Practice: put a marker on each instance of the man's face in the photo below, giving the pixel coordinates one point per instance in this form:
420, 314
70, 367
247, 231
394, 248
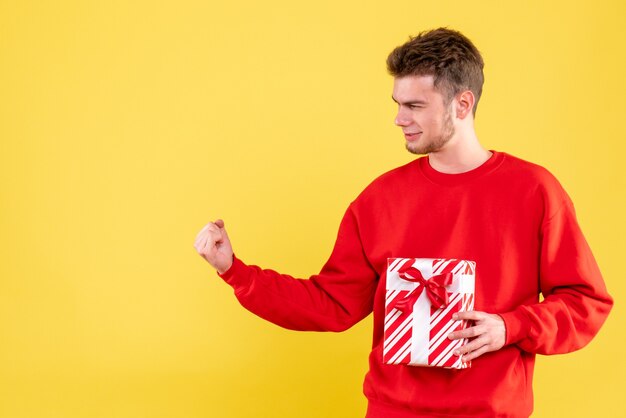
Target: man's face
422, 114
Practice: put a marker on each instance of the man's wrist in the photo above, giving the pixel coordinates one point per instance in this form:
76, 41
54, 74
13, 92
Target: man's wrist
225, 272
516, 326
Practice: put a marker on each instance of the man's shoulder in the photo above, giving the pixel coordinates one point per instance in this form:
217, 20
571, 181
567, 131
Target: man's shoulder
522, 174
395, 177
392, 181
400, 173
526, 170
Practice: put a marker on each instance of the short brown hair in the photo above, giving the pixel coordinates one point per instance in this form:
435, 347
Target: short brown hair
450, 57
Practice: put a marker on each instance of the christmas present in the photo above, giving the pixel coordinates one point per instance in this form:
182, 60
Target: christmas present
421, 296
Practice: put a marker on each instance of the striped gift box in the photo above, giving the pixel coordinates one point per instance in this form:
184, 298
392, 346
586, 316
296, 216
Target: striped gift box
421, 296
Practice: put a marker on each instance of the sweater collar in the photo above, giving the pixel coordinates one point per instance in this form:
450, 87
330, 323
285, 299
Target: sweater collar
447, 179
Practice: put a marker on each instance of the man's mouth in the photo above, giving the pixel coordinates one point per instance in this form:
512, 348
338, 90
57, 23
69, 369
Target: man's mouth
412, 135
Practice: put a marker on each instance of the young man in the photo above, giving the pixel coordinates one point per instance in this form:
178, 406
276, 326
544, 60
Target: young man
460, 201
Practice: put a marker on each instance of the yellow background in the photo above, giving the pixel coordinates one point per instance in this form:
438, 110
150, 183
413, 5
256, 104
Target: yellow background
126, 126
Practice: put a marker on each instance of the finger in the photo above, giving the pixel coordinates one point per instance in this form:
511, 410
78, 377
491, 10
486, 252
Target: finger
471, 346
469, 315
467, 332
208, 227
214, 228
208, 244
201, 244
211, 228
219, 223
475, 354
215, 237
201, 240
204, 235
202, 231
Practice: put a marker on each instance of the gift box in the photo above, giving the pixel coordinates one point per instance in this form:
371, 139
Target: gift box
421, 296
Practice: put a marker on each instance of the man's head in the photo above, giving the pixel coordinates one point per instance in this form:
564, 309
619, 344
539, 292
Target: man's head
438, 80
447, 55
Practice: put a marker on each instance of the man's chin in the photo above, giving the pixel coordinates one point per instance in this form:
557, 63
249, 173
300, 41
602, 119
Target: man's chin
416, 150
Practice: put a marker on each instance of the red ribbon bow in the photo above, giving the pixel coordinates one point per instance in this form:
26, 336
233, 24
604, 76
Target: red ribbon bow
435, 288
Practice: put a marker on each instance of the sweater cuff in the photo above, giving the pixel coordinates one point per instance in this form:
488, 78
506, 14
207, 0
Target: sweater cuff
237, 275
517, 325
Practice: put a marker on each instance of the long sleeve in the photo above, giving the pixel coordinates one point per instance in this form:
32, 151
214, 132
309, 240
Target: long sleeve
512, 218
576, 302
335, 299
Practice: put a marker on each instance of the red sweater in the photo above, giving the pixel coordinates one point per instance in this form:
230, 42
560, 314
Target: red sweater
513, 219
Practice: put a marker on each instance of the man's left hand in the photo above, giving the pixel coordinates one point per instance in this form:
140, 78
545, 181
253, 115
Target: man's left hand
487, 334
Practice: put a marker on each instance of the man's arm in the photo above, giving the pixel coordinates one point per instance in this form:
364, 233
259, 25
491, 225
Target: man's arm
576, 302
335, 299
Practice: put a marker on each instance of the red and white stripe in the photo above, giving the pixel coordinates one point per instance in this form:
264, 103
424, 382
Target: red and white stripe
401, 343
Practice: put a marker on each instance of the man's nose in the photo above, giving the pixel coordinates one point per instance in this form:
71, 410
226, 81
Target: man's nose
402, 119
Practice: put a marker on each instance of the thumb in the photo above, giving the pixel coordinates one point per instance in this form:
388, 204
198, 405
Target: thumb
220, 224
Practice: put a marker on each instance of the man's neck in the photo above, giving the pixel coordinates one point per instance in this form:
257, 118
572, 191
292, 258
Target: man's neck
459, 156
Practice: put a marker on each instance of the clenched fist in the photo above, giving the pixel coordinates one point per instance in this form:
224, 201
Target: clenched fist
213, 245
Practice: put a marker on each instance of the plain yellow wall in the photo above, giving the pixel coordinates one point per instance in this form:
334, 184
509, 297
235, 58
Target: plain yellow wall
126, 126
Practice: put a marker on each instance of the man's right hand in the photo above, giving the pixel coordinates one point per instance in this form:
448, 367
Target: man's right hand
213, 245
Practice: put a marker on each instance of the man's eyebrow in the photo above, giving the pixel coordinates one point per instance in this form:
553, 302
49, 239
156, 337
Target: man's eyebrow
410, 102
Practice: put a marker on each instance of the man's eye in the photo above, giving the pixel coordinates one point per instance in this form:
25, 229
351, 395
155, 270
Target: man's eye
415, 106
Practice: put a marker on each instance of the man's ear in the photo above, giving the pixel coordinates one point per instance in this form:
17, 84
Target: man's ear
464, 102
